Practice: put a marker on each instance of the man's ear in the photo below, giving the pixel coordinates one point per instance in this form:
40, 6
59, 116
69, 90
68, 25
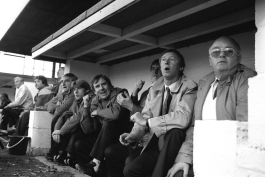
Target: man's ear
239, 58
181, 69
210, 61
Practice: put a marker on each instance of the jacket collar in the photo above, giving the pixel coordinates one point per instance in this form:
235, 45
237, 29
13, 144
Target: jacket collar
159, 84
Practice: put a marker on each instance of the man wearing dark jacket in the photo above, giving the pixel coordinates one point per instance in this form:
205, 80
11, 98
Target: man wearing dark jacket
114, 118
76, 124
4, 100
61, 106
43, 96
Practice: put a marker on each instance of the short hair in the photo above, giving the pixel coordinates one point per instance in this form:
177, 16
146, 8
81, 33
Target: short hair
5, 96
20, 78
155, 62
96, 78
43, 79
179, 55
230, 39
72, 76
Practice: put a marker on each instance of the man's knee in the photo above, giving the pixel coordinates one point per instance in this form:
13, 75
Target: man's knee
176, 132
128, 170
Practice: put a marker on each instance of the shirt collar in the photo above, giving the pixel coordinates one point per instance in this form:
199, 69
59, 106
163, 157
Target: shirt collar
174, 86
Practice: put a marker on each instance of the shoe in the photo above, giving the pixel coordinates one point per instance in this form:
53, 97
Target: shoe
86, 169
59, 159
50, 156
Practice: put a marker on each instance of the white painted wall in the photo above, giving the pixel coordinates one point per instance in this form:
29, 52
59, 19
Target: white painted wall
85, 70
126, 74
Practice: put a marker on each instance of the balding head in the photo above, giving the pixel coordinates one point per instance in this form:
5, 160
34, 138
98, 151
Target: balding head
228, 41
224, 55
18, 81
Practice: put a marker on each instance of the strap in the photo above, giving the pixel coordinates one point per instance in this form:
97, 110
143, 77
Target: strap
7, 146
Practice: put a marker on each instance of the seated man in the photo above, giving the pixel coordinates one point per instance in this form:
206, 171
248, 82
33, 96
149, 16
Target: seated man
23, 101
57, 87
61, 106
114, 118
76, 124
226, 88
116, 154
132, 103
4, 100
162, 123
43, 96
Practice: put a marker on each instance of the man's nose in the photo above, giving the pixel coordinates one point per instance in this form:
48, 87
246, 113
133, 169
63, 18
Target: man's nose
222, 54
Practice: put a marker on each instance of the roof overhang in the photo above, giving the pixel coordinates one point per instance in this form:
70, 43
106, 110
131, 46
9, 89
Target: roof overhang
120, 30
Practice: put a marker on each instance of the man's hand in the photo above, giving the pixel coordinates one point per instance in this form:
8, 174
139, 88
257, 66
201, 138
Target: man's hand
86, 101
23, 112
127, 138
138, 118
177, 167
125, 102
94, 113
138, 87
56, 136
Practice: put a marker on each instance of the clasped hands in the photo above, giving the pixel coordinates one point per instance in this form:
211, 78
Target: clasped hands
56, 136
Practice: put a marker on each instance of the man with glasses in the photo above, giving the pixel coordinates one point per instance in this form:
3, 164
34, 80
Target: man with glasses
225, 88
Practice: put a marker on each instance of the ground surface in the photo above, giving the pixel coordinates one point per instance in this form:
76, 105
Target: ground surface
27, 166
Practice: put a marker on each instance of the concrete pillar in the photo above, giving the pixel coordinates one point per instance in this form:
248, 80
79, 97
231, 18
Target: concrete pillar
256, 94
40, 132
215, 145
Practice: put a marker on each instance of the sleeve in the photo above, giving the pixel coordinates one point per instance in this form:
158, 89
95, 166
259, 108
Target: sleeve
179, 118
139, 105
242, 99
186, 151
66, 104
41, 100
113, 110
137, 130
22, 97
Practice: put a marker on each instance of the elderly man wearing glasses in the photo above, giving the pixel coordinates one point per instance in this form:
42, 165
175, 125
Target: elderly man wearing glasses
222, 95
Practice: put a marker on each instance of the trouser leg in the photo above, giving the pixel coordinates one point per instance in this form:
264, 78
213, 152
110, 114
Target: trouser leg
22, 124
54, 120
10, 116
141, 165
190, 173
83, 148
172, 143
115, 156
108, 135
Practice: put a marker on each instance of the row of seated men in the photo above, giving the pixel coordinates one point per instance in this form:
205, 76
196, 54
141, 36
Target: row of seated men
108, 130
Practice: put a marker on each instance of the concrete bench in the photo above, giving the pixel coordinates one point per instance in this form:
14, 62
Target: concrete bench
40, 132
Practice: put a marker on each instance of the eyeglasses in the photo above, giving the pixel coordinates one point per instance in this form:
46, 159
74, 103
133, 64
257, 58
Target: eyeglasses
228, 52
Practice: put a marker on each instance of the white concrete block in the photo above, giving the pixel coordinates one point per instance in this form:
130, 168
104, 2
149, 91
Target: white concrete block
39, 132
259, 50
41, 138
40, 119
215, 148
256, 111
260, 13
252, 159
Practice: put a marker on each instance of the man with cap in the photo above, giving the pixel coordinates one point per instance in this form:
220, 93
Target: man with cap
75, 124
222, 95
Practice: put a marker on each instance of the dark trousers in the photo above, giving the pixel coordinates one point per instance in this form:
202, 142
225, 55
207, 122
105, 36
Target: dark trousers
116, 155
83, 148
22, 125
151, 161
54, 120
10, 116
109, 134
180, 173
